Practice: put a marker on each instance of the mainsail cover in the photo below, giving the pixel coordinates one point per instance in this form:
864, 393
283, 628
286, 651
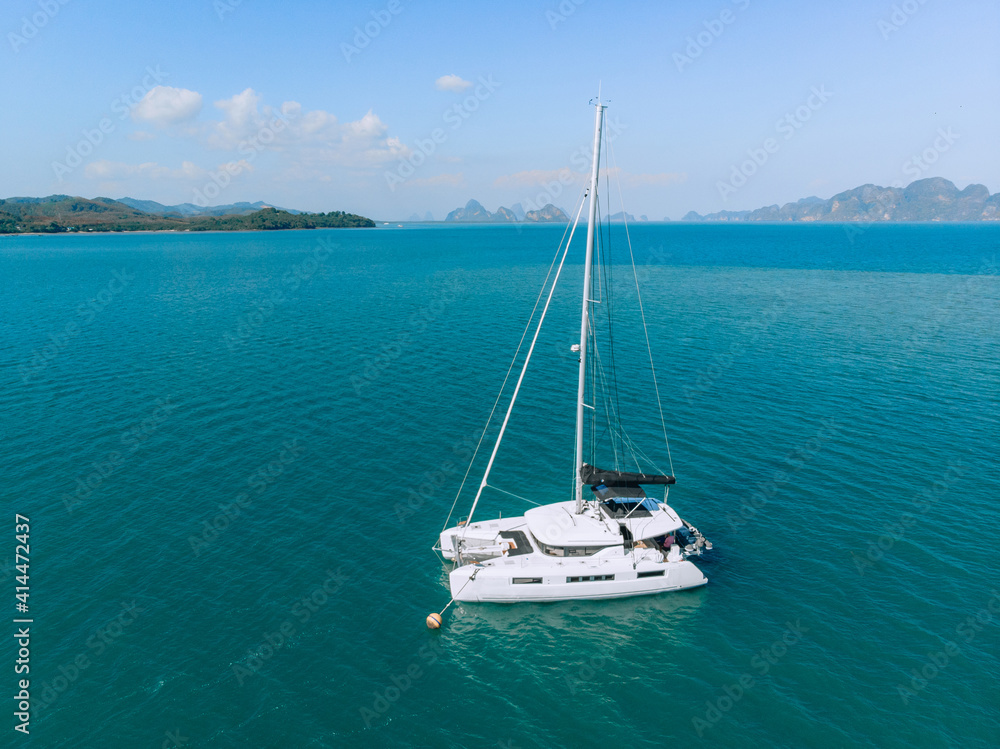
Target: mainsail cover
593, 476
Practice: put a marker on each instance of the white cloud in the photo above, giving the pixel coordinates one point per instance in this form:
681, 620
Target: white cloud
535, 177
659, 179
313, 137
452, 83
118, 170
272, 142
166, 105
104, 169
310, 141
242, 119
567, 176
366, 143
450, 180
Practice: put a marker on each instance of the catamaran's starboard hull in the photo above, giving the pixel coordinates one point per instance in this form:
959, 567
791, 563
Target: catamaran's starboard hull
572, 582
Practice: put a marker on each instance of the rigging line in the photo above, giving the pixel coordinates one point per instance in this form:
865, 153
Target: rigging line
503, 385
631, 447
639, 458
642, 313
609, 259
590, 415
599, 368
646, 460
598, 389
614, 428
524, 369
513, 361
516, 496
609, 315
606, 313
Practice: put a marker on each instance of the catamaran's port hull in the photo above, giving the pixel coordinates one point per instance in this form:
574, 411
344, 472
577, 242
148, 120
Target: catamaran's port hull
496, 584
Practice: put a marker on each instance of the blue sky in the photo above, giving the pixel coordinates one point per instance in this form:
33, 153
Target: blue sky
398, 107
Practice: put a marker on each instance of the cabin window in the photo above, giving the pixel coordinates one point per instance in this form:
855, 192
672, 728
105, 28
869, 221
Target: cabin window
643, 507
570, 551
589, 578
526, 580
653, 573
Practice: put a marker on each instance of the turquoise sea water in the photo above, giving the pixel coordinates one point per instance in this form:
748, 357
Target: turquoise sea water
236, 451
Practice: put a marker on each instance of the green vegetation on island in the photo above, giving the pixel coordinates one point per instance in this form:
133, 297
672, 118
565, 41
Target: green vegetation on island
62, 213
931, 199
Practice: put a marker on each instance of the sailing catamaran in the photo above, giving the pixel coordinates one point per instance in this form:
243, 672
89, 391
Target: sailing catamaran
610, 540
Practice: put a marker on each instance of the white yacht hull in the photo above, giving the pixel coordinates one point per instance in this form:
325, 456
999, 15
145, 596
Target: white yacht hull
492, 569
494, 581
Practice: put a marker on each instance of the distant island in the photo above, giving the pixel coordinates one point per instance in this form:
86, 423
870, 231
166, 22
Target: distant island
63, 213
932, 199
475, 213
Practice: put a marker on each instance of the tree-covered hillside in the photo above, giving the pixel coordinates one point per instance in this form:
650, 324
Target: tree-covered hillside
63, 213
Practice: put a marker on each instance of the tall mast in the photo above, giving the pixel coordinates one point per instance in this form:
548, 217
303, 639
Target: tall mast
585, 318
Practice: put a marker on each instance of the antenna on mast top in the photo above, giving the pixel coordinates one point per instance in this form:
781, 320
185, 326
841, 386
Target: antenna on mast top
598, 99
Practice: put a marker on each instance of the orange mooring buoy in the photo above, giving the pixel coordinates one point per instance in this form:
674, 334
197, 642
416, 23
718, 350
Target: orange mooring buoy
433, 621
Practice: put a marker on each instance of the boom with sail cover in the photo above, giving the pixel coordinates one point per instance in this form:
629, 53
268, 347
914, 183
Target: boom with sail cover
593, 476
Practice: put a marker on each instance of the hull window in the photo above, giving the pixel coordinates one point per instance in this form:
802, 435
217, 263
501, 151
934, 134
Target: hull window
526, 580
654, 573
589, 578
